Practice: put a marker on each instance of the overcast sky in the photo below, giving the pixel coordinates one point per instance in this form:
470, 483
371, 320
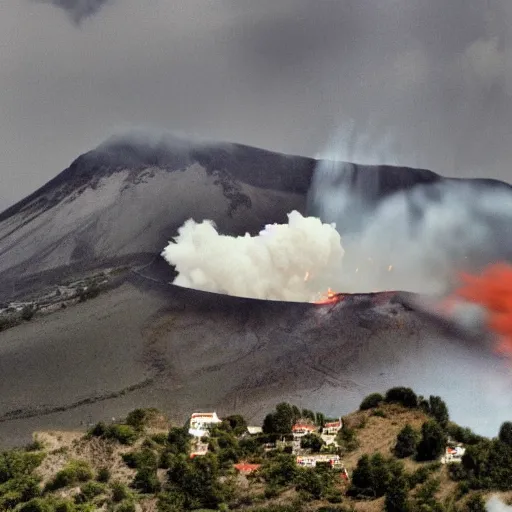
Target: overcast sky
412, 82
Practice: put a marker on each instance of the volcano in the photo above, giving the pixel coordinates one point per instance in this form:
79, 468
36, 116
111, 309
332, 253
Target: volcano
146, 342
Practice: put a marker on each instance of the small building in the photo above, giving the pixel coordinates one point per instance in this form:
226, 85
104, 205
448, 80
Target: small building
332, 428
198, 448
245, 468
202, 422
254, 431
302, 429
453, 454
310, 461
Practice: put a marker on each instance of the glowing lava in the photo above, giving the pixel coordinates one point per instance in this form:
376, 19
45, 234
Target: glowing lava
493, 290
330, 297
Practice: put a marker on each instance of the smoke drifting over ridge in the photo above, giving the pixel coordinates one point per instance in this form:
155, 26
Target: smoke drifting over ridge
291, 262
416, 240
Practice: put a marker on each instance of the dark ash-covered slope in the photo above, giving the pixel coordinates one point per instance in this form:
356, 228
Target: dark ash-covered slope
181, 350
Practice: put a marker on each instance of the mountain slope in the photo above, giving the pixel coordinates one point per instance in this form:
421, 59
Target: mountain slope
127, 198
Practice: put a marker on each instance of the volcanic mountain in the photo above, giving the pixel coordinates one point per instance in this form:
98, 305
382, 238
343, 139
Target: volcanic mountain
145, 342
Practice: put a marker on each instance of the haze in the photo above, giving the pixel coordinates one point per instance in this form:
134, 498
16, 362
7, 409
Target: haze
396, 81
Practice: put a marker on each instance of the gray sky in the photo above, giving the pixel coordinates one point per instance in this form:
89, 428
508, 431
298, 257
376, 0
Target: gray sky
413, 82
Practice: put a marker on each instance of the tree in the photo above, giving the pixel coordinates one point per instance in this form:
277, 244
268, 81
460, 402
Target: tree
311, 482
312, 442
505, 435
308, 414
373, 475
439, 411
406, 442
371, 401
280, 470
282, 420
237, 423
433, 441
397, 495
320, 419
401, 395
179, 440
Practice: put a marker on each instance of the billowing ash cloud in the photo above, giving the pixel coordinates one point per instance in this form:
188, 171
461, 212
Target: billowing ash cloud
417, 240
496, 505
78, 10
292, 262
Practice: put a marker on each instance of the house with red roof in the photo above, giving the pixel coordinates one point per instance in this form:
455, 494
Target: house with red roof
302, 428
332, 428
245, 468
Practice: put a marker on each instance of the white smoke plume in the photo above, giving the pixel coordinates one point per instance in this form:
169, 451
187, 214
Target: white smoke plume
496, 505
293, 262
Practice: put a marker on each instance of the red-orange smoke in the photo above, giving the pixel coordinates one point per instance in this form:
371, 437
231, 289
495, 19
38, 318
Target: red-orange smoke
493, 290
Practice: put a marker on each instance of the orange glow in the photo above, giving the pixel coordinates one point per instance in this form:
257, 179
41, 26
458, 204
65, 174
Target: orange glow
306, 277
493, 290
330, 298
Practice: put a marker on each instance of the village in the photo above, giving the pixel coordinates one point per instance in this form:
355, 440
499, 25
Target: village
200, 425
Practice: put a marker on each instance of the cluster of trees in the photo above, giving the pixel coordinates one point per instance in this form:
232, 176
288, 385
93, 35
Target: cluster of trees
487, 464
286, 415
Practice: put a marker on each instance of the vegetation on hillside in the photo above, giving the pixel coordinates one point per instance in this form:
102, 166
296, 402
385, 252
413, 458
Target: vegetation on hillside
391, 449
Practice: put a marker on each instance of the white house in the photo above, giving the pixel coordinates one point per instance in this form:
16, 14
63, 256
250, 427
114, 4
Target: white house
453, 454
332, 428
254, 430
202, 422
310, 461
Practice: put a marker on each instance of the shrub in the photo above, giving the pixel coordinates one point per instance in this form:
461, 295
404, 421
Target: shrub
120, 492
401, 395
371, 401
99, 430
146, 481
146, 458
36, 505
137, 419
124, 434
126, 506
103, 475
92, 489
64, 506
75, 472
379, 413
347, 438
